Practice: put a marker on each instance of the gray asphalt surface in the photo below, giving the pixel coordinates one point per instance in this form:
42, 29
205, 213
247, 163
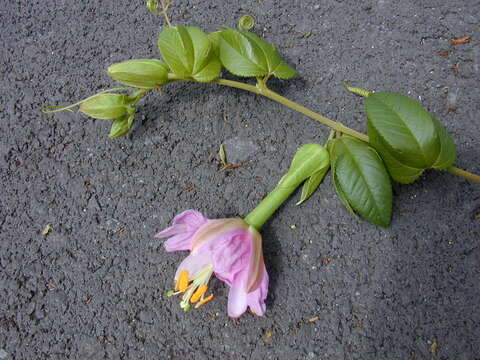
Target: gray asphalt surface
93, 288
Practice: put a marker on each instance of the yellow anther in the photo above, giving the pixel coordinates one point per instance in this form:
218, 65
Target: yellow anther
182, 282
203, 301
198, 293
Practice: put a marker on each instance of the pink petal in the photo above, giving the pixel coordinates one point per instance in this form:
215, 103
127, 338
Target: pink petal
189, 220
237, 297
206, 236
171, 230
184, 226
231, 254
192, 218
256, 298
178, 242
193, 263
257, 264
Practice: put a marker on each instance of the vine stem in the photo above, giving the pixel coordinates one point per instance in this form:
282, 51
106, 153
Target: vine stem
463, 173
263, 90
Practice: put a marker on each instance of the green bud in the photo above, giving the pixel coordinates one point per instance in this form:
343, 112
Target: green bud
170, 293
106, 106
308, 160
121, 127
141, 73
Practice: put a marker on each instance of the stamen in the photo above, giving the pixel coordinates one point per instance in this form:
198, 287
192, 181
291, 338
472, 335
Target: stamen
182, 283
203, 301
199, 293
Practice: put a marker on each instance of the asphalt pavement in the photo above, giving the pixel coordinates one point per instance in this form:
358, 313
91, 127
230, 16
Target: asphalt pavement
93, 285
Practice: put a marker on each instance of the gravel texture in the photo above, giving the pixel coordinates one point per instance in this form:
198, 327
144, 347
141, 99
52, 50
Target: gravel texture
341, 288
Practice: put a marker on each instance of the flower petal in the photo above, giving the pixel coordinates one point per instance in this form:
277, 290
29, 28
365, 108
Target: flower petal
171, 230
206, 237
231, 254
192, 218
178, 242
192, 264
256, 298
237, 297
189, 220
184, 226
257, 264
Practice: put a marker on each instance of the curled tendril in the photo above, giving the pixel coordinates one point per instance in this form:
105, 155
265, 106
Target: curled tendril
153, 6
246, 22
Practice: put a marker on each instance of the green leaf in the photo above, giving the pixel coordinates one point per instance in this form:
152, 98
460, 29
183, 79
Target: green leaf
284, 71
405, 127
214, 38
361, 180
188, 52
245, 54
312, 184
399, 172
408, 137
448, 153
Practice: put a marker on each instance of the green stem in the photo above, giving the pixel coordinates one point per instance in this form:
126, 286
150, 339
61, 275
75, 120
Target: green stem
294, 106
258, 216
287, 185
463, 173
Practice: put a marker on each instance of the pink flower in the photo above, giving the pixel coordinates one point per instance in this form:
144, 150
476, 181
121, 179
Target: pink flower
228, 248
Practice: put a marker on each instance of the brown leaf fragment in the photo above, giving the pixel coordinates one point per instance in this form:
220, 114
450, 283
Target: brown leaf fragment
189, 188
452, 109
443, 54
52, 286
313, 319
461, 40
326, 261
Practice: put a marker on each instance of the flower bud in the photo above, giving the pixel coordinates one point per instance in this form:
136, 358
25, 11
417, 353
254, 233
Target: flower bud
141, 73
121, 127
106, 106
